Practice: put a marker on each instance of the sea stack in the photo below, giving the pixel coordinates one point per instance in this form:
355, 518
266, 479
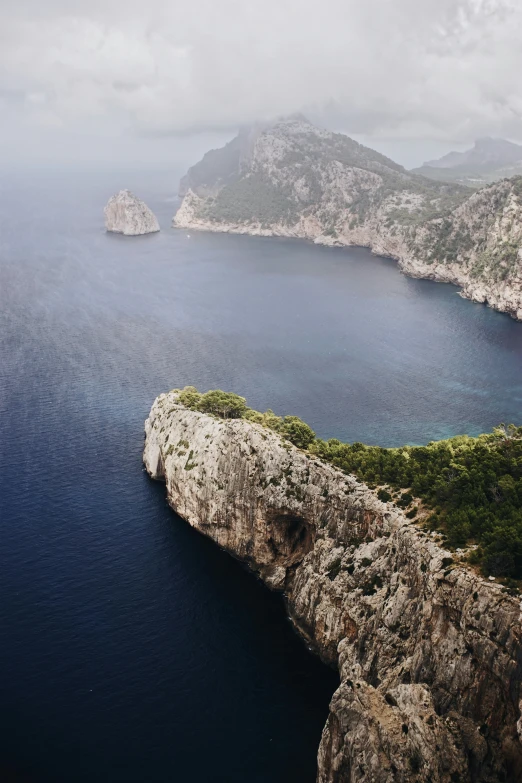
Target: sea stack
126, 214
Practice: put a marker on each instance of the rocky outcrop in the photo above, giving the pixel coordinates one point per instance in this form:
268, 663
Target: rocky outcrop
300, 181
429, 654
126, 214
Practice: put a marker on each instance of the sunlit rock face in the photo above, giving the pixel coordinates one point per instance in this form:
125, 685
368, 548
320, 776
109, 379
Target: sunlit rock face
429, 653
126, 214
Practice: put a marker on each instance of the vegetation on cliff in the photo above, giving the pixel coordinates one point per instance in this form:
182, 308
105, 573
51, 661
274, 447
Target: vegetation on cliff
228, 405
300, 172
471, 487
254, 197
216, 168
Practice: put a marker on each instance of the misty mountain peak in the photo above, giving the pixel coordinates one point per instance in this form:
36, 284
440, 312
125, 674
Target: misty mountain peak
485, 152
290, 143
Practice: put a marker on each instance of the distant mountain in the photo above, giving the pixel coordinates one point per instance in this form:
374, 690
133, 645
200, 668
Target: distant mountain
273, 174
487, 161
293, 179
486, 152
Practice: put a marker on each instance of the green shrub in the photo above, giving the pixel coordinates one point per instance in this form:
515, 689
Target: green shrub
253, 198
472, 486
405, 500
190, 397
225, 404
297, 432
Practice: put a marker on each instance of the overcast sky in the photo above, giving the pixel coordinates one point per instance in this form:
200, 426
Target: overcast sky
142, 80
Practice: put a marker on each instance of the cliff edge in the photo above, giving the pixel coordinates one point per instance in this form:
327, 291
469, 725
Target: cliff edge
429, 654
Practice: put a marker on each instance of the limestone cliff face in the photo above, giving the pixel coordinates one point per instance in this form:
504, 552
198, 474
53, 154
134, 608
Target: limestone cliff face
127, 214
429, 654
300, 181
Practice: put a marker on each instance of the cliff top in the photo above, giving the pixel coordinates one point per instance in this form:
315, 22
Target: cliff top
468, 489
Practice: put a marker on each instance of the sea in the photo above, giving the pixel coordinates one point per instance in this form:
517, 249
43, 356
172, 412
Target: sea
132, 649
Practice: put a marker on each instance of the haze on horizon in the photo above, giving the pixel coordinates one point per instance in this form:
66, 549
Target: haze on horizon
124, 82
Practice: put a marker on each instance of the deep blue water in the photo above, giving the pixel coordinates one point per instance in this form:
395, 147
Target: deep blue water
132, 649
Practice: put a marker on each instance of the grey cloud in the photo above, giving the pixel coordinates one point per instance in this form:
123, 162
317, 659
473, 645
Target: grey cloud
125, 86
445, 70
12, 97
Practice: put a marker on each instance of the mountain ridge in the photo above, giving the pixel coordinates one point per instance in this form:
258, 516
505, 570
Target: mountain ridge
486, 150
489, 160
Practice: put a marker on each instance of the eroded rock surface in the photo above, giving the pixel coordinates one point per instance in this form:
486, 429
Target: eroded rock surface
429, 654
126, 214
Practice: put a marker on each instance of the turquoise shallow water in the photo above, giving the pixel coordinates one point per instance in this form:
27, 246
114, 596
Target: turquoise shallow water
132, 648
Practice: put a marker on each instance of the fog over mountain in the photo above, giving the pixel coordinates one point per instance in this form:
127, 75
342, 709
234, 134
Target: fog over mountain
118, 80
488, 160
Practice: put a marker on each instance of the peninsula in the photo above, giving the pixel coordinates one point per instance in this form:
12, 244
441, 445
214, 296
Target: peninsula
428, 650
293, 179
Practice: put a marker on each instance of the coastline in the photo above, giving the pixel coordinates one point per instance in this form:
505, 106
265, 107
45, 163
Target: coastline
501, 298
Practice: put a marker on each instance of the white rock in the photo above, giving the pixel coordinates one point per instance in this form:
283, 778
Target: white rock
126, 214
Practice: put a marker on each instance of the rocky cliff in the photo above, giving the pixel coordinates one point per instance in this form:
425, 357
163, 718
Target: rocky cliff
292, 179
429, 653
126, 214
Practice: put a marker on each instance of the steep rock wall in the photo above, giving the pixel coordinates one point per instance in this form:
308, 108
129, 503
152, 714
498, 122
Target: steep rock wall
429, 654
126, 214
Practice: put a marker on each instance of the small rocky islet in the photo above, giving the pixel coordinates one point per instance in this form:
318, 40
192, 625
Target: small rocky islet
126, 214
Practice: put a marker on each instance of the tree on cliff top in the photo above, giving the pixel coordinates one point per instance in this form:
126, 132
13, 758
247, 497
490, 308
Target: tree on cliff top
225, 404
297, 432
472, 486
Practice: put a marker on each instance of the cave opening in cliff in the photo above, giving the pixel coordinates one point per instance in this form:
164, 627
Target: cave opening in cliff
291, 536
